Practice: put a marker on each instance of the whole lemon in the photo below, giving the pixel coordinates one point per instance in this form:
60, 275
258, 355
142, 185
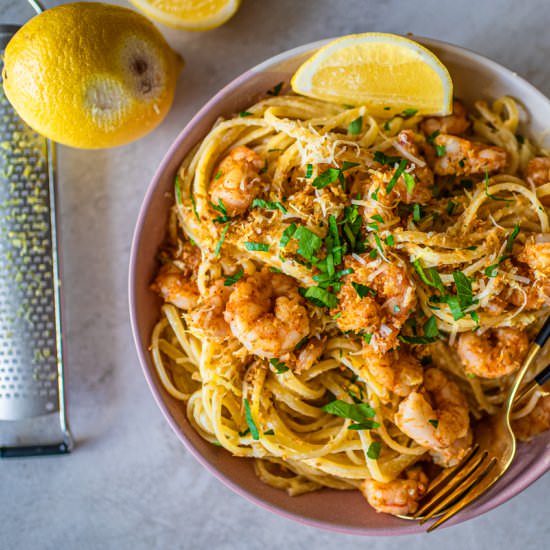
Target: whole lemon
90, 75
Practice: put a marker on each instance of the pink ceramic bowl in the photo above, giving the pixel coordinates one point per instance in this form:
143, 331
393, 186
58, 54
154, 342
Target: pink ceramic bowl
474, 77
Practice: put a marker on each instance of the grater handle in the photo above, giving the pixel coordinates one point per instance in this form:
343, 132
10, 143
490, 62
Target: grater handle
35, 450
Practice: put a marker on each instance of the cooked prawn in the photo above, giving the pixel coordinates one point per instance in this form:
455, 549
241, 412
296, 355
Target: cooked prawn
397, 497
267, 314
176, 287
396, 370
496, 352
309, 354
538, 173
536, 422
536, 254
236, 182
455, 123
462, 157
207, 318
437, 419
382, 304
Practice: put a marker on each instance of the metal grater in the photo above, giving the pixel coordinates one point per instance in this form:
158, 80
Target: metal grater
33, 417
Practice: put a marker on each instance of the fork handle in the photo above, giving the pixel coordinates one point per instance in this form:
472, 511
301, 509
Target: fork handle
543, 334
541, 378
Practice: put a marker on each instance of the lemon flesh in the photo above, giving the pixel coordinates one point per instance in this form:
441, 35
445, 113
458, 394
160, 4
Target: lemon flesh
90, 75
191, 15
387, 73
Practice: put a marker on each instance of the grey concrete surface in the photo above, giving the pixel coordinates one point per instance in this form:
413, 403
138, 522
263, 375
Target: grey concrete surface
129, 483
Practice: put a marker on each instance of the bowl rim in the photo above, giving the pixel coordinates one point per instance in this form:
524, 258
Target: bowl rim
516, 485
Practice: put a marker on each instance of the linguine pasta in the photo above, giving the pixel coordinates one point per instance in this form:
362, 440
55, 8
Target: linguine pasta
337, 194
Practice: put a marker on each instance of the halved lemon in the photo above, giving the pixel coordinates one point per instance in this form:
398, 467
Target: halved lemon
388, 73
190, 15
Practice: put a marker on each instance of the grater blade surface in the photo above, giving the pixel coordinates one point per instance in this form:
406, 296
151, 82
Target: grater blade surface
31, 368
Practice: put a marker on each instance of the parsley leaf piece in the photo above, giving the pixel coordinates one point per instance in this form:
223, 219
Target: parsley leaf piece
511, 237
234, 278
390, 240
486, 182
269, 205
194, 205
280, 367
244, 432
377, 218
454, 306
319, 296
256, 247
430, 327
400, 169
347, 165
382, 158
218, 175
463, 289
408, 113
222, 238
275, 270
417, 212
308, 242
250, 421
430, 139
367, 425
409, 181
520, 139
243, 114
276, 90
269, 432
309, 170
358, 412
475, 317
301, 343
363, 290
177, 189
355, 126
326, 178
287, 235
373, 452
440, 150
367, 336
434, 423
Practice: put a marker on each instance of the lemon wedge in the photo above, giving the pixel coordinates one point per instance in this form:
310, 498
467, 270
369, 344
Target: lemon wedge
190, 15
387, 73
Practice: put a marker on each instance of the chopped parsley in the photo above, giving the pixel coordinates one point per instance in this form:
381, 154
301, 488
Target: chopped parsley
408, 113
355, 126
440, 150
276, 90
347, 165
400, 169
309, 170
269, 205
431, 138
486, 182
279, 366
382, 158
367, 336
492, 270
308, 242
409, 181
269, 432
511, 237
256, 247
234, 278
417, 212
373, 452
431, 333
434, 423
366, 425
327, 177
243, 114
220, 207
177, 189
287, 235
363, 290
319, 296
194, 205
218, 175
520, 139
451, 207
222, 238
301, 343
356, 412
250, 421
390, 240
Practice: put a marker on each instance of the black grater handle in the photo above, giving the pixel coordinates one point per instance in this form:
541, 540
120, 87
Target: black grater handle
34, 450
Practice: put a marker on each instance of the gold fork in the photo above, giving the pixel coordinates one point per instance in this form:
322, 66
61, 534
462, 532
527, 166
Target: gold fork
488, 460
